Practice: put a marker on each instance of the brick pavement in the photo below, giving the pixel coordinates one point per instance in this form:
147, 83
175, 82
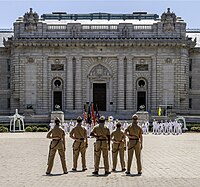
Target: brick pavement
167, 161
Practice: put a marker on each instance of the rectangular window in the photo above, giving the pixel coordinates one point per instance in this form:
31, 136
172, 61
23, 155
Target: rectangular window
190, 103
8, 102
141, 67
190, 82
8, 65
57, 67
190, 64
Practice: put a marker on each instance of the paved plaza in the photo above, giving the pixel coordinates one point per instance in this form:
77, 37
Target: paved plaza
167, 161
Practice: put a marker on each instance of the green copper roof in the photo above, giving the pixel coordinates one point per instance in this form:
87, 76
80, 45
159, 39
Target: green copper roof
98, 16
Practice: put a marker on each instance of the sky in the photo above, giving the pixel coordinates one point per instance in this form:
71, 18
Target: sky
10, 10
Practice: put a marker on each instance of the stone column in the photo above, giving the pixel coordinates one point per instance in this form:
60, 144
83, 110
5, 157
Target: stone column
69, 82
120, 83
153, 90
78, 85
129, 84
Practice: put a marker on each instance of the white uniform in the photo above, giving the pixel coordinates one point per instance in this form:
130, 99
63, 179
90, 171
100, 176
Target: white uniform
125, 125
166, 127
65, 125
170, 127
147, 126
155, 127
51, 125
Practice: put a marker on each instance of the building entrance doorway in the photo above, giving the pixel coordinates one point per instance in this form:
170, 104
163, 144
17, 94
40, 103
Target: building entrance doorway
57, 100
141, 100
99, 96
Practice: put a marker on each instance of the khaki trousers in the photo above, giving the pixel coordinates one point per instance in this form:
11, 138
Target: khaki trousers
101, 147
116, 148
52, 153
134, 145
79, 147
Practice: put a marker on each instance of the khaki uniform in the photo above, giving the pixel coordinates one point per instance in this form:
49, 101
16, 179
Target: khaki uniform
56, 132
118, 146
101, 146
80, 145
134, 144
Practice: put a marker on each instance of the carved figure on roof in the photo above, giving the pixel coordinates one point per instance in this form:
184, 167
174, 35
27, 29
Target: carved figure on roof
31, 20
169, 20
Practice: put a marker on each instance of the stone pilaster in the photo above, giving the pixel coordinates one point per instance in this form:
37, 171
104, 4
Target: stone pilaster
129, 84
69, 82
120, 82
78, 84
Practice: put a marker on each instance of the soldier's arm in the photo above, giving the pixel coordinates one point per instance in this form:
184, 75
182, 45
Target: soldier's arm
93, 133
141, 138
49, 134
63, 139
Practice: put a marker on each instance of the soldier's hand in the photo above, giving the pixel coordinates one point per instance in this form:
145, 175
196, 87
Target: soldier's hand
108, 148
86, 145
124, 148
141, 147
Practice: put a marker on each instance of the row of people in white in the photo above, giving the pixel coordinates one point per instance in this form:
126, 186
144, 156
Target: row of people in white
166, 127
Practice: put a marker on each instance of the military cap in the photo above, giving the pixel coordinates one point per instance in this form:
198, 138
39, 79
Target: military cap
135, 116
57, 120
119, 124
79, 119
102, 118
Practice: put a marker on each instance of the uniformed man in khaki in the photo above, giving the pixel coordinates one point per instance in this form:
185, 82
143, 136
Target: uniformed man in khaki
135, 141
119, 146
102, 145
79, 134
57, 134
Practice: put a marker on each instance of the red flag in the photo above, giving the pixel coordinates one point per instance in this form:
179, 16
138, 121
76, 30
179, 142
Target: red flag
93, 114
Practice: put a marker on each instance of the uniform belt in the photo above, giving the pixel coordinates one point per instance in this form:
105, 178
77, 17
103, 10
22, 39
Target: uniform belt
101, 140
133, 139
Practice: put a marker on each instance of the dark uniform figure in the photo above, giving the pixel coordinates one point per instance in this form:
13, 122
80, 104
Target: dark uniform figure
119, 146
79, 134
57, 134
134, 134
102, 145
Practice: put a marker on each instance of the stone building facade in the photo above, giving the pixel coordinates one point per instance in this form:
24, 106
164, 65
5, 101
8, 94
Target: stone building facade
118, 61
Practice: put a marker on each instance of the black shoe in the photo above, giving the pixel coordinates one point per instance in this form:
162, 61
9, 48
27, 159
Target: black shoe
124, 169
65, 172
113, 170
84, 169
139, 173
127, 172
95, 172
107, 172
73, 169
47, 173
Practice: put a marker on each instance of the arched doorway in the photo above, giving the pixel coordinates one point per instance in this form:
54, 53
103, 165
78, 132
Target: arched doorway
100, 87
57, 95
141, 94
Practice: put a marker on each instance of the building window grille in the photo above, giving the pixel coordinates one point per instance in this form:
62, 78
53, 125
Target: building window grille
190, 103
8, 103
190, 65
8, 82
190, 82
8, 65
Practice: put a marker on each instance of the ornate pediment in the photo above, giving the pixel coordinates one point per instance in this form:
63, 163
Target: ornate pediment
99, 71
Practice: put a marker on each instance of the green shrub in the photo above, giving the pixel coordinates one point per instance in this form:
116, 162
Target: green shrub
195, 129
42, 129
28, 129
3, 129
34, 129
